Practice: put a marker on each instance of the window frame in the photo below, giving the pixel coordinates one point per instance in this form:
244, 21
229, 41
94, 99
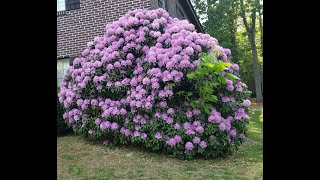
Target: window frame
61, 2
69, 5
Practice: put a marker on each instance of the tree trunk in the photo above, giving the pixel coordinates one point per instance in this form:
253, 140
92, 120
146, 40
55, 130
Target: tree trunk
261, 32
261, 38
251, 32
234, 31
256, 68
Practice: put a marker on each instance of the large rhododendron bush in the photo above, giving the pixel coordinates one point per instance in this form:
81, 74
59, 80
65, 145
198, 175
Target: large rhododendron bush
153, 81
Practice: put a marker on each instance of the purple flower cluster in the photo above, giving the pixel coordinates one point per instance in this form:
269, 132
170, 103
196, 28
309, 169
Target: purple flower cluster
246, 102
189, 146
158, 135
241, 114
193, 128
215, 116
228, 99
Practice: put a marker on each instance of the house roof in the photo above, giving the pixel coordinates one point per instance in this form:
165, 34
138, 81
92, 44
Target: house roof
188, 7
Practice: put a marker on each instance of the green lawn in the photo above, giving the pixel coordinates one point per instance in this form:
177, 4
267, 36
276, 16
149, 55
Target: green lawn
81, 159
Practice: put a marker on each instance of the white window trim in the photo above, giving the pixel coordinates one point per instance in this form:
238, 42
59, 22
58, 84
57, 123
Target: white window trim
61, 5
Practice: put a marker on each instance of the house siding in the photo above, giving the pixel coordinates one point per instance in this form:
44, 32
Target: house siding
154, 4
171, 7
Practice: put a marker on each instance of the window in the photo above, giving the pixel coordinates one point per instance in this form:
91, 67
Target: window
62, 66
67, 5
72, 4
61, 6
179, 13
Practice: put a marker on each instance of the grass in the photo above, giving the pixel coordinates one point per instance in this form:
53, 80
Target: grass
81, 159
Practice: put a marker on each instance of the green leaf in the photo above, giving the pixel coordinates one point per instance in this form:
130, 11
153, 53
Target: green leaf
218, 67
202, 54
206, 110
213, 84
206, 59
189, 94
190, 76
232, 77
209, 106
198, 64
193, 105
170, 86
227, 64
222, 79
213, 98
207, 64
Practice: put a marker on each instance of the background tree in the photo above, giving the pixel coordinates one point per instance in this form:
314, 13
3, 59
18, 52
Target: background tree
251, 7
233, 22
221, 22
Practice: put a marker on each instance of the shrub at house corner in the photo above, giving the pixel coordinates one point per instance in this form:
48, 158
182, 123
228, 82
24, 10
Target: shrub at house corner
62, 126
152, 80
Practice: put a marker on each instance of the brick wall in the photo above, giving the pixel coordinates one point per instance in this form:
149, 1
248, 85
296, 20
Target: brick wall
77, 27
